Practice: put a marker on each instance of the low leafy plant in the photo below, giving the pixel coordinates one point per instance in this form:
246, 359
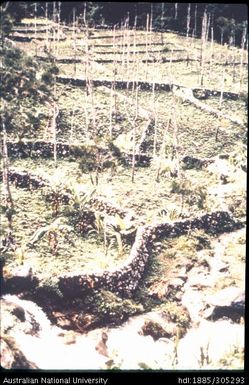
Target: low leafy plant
177, 314
109, 307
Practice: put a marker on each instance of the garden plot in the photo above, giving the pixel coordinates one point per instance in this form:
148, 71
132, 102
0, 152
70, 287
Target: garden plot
141, 59
150, 194
117, 109
58, 241
129, 198
165, 129
84, 118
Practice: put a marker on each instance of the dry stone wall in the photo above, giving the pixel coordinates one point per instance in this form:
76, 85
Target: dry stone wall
197, 92
125, 278
40, 149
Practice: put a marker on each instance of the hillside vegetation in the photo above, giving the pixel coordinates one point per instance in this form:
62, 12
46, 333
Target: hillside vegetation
124, 186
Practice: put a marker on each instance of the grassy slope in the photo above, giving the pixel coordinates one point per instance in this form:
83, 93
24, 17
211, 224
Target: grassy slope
83, 118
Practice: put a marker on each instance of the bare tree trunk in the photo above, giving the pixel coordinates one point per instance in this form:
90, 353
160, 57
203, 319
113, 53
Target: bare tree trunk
162, 151
128, 46
128, 55
176, 11
7, 200
55, 108
7, 197
188, 19
58, 27
111, 111
212, 45
234, 68
210, 50
208, 26
123, 50
175, 154
223, 82
134, 56
162, 22
146, 46
170, 69
221, 36
187, 95
36, 29
203, 47
84, 18
114, 73
54, 128
87, 68
47, 40
243, 43
141, 112
151, 24
113, 86
54, 28
155, 121
134, 138
195, 23
74, 42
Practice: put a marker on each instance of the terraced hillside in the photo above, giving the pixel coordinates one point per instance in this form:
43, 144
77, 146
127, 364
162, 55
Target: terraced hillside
128, 189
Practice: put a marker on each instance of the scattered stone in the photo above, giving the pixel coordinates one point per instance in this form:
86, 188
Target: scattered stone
154, 329
211, 345
12, 356
229, 303
227, 296
101, 346
190, 162
193, 300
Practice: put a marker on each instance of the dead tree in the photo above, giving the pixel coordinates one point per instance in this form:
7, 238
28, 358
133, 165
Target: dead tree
176, 11
203, 46
175, 153
7, 200
113, 86
188, 19
74, 41
155, 120
36, 29
223, 81
243, 44
134, 138
47, 45
186, 94
195, 22
146, 47
162, 22
162, 150
54, 129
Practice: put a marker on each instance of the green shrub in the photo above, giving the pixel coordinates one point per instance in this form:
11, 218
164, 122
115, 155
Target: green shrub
177, 314
111, 308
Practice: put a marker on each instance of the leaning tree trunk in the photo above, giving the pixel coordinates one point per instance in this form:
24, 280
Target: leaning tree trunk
186, 94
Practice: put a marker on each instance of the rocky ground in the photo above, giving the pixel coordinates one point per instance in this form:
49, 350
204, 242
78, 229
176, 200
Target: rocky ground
206, 332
